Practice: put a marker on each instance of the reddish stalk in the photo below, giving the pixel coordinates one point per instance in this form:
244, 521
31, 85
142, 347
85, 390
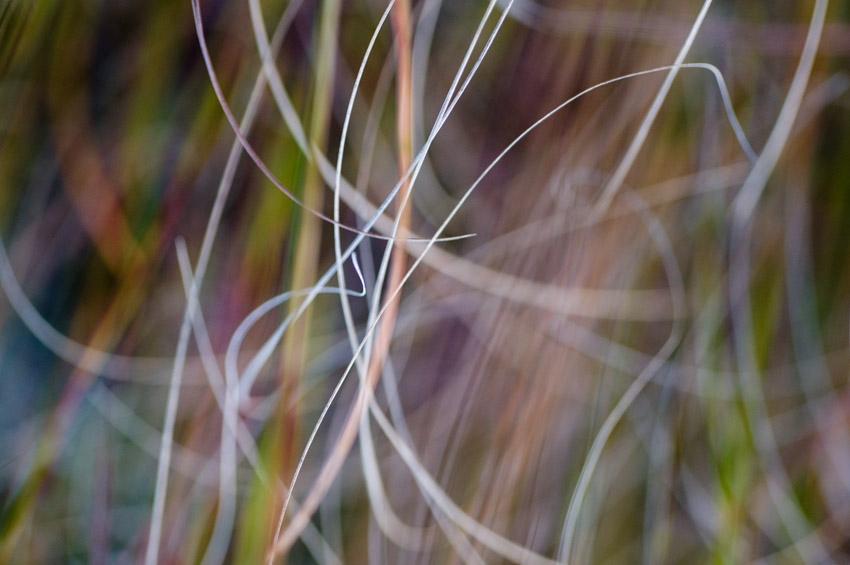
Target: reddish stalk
398, 264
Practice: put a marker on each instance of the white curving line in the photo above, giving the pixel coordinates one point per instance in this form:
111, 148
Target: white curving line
811, 548
674, 277
333, 464
158, 508
628, 160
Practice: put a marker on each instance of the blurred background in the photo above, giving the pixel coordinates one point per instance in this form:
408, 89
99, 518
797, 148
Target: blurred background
624, 333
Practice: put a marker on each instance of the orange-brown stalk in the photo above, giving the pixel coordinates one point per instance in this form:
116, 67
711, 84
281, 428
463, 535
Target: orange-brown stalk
398, 264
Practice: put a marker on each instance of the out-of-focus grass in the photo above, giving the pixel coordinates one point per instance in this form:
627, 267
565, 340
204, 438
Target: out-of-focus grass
684, 364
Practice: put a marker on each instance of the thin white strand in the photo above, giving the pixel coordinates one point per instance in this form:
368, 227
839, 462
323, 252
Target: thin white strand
152, 548
247, 378
745, 202
387, 520
431, 242
626, 163
642, 305
438, 123
676, 284
811, 548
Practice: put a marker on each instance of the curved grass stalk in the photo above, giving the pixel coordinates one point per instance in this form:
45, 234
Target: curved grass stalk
674, 277
243, 140
213, 223
639, 305
331, 467
628, 160
285, 542
743, 207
